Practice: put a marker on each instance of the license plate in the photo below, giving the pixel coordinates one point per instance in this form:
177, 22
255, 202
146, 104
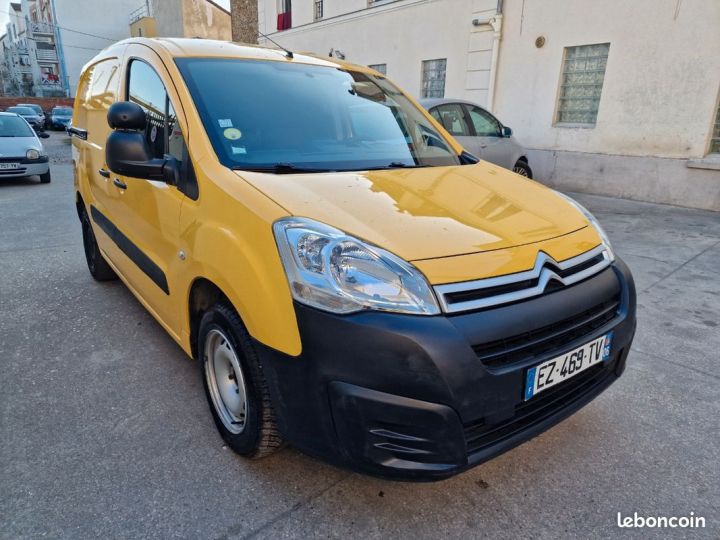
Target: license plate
9, 165
563, 367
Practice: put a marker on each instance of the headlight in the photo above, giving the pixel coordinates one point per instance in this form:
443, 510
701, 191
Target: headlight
593, 221
330, 270
32, 154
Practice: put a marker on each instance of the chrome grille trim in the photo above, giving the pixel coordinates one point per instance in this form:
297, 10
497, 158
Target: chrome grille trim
540, 272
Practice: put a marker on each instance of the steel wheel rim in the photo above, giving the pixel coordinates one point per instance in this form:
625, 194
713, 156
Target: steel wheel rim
225, 381
522, 171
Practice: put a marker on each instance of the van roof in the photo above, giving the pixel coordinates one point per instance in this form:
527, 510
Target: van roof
204, 48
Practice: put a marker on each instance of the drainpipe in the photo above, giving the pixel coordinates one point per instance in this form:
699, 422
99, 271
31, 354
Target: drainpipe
60, 51
496, 23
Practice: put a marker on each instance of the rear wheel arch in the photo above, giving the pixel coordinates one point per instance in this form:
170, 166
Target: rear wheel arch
79, 204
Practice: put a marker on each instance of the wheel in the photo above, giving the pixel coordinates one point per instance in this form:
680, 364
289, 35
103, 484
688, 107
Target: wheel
98, 266
235, 385
45, 178
523, 169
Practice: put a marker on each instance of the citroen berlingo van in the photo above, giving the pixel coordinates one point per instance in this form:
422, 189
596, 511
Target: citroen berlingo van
348, 278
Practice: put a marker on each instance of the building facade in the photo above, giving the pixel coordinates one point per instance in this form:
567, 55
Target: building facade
617, 98
47, 42
181, 18
621, 98
429, 47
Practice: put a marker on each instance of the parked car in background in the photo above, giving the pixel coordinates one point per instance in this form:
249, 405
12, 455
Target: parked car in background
480, 133
38, 109
60, 117
36, 121
21, 152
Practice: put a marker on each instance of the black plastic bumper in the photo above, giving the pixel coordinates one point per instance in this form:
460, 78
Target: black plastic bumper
417, 397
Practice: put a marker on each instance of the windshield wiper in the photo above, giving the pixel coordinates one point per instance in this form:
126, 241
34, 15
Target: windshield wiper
395, 165
282, 168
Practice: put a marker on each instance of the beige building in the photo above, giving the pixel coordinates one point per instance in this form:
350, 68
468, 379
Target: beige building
612, 97
181, 18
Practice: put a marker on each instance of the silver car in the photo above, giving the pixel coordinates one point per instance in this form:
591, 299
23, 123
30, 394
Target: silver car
21, 152
480, 133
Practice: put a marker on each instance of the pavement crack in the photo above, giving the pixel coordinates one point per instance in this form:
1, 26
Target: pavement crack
282, 515
680, 364
683, 265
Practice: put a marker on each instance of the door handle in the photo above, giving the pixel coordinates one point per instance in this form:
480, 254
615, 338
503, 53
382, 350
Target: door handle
104, 173
119, 183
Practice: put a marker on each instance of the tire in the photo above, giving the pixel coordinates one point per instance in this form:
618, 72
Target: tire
239, 401
45, 178
523, 169
100, 270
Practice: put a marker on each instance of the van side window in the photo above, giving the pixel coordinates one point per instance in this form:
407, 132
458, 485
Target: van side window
147, 90
163, 130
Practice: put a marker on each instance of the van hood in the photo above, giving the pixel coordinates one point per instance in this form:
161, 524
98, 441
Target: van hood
426, 213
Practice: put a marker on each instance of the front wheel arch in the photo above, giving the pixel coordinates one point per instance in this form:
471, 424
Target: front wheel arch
203, 295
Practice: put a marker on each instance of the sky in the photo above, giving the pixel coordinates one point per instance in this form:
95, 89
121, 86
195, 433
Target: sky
5, 7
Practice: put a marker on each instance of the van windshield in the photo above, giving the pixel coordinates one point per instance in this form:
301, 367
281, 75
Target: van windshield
282, 117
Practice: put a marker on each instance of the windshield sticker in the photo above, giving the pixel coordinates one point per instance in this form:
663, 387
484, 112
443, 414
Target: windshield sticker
232, 134
225, 122
238, 150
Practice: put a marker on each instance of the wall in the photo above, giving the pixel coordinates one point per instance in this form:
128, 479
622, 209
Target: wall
244, 21
144, 27
400, 34
108, 19
168, 18
191, 18
205, 19
658, 99
45, 103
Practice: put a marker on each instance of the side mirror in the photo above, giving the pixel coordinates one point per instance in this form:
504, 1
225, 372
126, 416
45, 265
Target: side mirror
127, 152
506, 132
126, 116
43, 135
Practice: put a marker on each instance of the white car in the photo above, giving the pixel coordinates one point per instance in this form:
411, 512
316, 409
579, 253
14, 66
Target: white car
21, 152
480, 133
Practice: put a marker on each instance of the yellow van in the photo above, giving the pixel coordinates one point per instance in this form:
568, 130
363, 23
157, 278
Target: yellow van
350, 280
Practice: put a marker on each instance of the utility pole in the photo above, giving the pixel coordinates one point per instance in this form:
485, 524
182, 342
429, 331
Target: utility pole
244, 16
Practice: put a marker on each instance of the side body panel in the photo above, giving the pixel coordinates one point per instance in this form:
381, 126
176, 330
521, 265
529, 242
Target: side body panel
148, 213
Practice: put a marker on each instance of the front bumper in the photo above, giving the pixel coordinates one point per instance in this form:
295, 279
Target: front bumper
26, 167
423, 398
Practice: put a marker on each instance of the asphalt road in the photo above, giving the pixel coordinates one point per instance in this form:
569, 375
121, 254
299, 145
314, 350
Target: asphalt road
105, 432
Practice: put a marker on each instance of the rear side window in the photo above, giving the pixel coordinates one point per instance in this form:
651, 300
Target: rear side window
147, 90
98, 90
